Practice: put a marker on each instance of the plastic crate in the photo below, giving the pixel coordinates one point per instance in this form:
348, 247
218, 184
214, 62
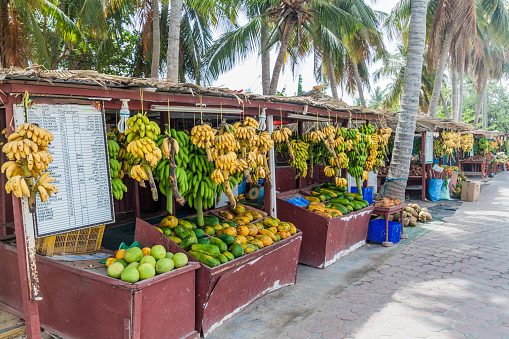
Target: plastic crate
77, 242
367, 193
377, 231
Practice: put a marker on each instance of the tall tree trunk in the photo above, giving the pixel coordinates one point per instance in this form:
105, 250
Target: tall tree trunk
156, 40
437, 85
459, 115
264, 39
404, 138
172, 56
454, 94
359, 84
480, 102
285, 41
485, 109
444, 103
332, 77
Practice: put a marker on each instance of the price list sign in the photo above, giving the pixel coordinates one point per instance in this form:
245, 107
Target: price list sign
80, 166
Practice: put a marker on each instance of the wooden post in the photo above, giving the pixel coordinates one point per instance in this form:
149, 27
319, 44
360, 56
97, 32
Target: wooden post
272, 166
423, 164
30, 308
137, 212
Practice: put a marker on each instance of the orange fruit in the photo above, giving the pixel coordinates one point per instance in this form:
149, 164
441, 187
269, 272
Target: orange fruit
110, 261
120, 254
145, 251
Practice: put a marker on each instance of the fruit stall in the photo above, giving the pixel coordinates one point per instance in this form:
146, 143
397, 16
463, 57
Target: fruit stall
151, 150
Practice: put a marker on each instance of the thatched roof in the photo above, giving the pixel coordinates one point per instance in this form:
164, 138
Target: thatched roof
426, 123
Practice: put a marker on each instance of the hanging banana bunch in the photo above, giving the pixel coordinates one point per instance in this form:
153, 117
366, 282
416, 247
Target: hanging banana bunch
281, 135
301, 156
145, 154
27, 152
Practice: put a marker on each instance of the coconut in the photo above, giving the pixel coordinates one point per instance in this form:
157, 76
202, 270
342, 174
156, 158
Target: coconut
425, 209
413, 221
429, 217
408, 209
414, 214
406, 222
422, 216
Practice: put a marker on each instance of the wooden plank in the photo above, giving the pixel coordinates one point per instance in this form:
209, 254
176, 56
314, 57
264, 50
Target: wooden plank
14, 333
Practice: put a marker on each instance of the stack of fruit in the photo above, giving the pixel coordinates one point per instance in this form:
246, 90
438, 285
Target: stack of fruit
330, 201
27, 152
239, 213
135, 264
116, 170
411, 215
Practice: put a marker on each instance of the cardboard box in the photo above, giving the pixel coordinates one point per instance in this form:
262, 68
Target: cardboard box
470, 191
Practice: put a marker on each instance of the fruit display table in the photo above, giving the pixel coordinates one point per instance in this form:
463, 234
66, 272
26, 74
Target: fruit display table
225, 290
386, 211
86, 303
324, 241
477, 168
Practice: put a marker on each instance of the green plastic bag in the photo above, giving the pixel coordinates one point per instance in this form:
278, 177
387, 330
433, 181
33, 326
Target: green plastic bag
444, 194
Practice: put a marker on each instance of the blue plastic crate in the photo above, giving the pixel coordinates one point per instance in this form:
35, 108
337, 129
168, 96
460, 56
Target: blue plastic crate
377, 231
367, 193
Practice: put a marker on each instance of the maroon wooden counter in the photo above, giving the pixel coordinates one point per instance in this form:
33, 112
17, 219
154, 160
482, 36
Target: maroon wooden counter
325, 241
225, 290
82, 303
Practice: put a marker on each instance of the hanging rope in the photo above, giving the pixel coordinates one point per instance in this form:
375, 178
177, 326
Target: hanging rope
201, 109
141, 99
387, 180
169, 126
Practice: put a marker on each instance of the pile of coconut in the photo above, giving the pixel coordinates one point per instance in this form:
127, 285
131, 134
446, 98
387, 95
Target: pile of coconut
411, 215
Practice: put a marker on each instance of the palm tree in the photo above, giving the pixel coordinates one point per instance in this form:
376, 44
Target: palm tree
403, 141
172, 54
23, 38
156, 40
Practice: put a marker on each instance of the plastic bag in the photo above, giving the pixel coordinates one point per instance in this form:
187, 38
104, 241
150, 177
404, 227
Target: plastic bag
445, 195
435, 189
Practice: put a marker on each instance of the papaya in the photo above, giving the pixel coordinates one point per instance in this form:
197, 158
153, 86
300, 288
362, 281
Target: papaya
236, 250
199, 233
266, 240
349, 208
187, 224
321, 197
226, 215
176, 240
226, 238
205, 259
278, 238
365, 202
253, 230
188, 242
329, 192
249, 248
314, 208
240, 239
272, 229
209, 230
349, 197
283, 235
248, 216
207, 249
259, 225
256, 242
239, 209
217, 227
357, 207
341, 208
246, 219
293, 229
219, 243
242, 230
228, 255
183, 232
222, 259
230, 231
270, 222
238, 221
170, 221
312, 199
256, 215
229, 222
267, 233
283, 227
204, 241
209, 220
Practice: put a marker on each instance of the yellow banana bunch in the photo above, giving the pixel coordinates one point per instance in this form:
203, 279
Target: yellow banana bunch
18, 186
217, 176
281, 134
227, 162
202, 134
340, 182
40, 136
467, 141
250, 122
244, 132
138, 173
166, 146
384, 135
365, 175
265, 141
317, 136
12, 168
145, 148
225, 141
373, 152
343, 160
251, 158
349, 144
329, 171
329, 131
140, 126
337, 142
241, 165
44, 187
260, 172
300, 150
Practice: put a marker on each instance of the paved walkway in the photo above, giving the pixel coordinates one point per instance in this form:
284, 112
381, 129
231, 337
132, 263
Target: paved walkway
451, 283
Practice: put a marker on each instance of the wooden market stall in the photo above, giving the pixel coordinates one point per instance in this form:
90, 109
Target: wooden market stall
28, 288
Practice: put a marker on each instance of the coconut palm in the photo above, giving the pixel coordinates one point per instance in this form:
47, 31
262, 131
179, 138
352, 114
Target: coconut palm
403, 141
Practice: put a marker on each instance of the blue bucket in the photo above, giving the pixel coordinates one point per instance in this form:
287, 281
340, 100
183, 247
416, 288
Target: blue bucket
367, 193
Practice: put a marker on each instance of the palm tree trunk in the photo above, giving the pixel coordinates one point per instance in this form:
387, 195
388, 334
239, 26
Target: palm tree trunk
332, 77
156, 40
359, 84
172, 56
437, 85
479, 103
264, 39
285, 41
459, 115
444, 103
403, 140
485, 110
454, 94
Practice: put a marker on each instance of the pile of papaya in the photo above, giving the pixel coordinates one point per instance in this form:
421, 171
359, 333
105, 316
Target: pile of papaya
218, 242
240, 215
331, 202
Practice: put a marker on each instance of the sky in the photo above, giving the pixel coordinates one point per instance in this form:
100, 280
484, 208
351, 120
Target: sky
247, 76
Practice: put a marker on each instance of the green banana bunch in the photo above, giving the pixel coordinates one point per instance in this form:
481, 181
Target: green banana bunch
113, 148
350, 134
367, 129
300, 151
140, 126
182, 157
118, 188
115, 167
